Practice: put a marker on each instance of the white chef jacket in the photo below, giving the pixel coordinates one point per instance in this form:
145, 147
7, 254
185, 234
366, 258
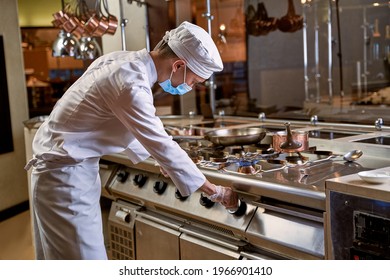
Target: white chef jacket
110, 110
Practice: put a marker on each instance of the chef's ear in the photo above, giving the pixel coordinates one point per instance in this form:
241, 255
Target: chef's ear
177, 64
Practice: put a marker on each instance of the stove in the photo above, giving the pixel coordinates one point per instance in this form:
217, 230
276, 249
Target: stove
282, 200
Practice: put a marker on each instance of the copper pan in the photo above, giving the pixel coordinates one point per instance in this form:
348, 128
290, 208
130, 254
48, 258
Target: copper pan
92, 24
102, 27
112, 25
60, 18
290, 141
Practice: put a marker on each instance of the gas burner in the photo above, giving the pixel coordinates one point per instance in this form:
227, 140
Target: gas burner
218, 159
235, 150
247, 159
294, 159
212, 154
289, 158
248, 167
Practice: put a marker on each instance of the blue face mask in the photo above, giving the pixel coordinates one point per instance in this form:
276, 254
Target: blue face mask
180, 89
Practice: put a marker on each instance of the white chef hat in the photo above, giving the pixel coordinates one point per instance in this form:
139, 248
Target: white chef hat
196, 47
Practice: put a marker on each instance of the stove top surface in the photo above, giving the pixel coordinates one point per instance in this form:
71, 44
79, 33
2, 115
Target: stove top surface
379, 140
308, 169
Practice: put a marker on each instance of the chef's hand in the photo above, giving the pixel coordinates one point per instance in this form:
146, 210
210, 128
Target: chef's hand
224, 195
230, 198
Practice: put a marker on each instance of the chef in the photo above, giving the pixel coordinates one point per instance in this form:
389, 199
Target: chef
108, 110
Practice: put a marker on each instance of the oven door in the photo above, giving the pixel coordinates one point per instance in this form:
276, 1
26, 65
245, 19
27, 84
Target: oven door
192, 248
157, 237
205, 244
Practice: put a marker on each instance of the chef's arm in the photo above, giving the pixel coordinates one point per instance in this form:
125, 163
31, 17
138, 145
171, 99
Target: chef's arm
225, 195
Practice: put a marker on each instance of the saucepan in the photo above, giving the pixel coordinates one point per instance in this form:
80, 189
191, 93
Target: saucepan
229, 137
290, 141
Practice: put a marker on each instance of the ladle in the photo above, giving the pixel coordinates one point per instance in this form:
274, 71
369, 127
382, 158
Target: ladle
352, 155
348, 157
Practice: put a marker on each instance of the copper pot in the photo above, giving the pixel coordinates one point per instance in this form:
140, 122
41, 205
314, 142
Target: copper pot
112, 25
60, 18
92, 24
290, 141
102, 27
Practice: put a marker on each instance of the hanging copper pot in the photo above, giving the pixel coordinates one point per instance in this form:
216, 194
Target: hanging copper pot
60, 18
112, 25
258, 22
291, 22
265, 24
251, 18
112, 20
102, 27
92, 24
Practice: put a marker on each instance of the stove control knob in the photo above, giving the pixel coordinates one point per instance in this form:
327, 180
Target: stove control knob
205, 201
179, 196
240, 210
122, 176
160, 187
140, 180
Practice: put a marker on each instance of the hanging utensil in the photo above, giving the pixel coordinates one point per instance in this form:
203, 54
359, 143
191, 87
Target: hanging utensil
264, 23
112, 20
251, 18
291, 22
258, 21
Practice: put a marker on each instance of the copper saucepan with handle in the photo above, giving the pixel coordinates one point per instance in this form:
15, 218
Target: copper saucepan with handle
290, 141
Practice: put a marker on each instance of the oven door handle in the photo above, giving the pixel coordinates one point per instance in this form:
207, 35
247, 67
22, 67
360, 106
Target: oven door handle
158, 220
250, 256
210, 239
289, 212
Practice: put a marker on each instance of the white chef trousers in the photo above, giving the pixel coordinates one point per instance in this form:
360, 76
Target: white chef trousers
67, 212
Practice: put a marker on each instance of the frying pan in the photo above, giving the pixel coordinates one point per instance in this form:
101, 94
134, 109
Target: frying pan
238, 136
230, 137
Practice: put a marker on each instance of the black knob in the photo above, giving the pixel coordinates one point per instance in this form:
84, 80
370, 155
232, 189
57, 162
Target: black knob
122, 176
140, 180
179, 196
241, 209
205, 201
160, 187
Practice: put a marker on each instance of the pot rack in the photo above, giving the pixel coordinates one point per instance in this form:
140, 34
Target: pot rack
79, 25
77, 14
